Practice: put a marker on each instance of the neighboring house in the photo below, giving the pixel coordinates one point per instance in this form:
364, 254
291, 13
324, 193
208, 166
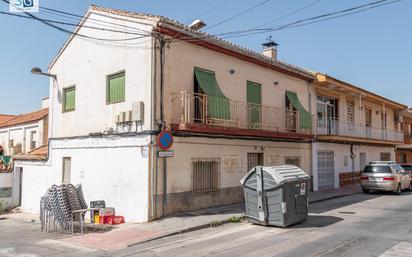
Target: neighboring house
229, 109
354, 127
19, 134
404, 151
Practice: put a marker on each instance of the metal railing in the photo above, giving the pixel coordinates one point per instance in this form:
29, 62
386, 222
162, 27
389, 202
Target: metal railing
333, 126
194, 108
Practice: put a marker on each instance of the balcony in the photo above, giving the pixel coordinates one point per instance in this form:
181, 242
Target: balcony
336, 127
193, 112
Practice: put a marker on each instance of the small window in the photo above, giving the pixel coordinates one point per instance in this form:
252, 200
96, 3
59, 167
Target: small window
205, 176
116, 88
67, 170
385, 156
253, 160
33, 140
69, 99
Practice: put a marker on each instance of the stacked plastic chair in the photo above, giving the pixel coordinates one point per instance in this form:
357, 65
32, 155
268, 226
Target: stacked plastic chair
57, 205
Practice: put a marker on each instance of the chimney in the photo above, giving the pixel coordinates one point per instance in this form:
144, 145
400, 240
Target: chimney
45, 103
270, 49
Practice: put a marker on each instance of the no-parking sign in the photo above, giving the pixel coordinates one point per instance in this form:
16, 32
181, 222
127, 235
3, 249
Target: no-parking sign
164, 140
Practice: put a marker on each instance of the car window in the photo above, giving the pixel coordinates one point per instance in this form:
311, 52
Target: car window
377, 169
407, 167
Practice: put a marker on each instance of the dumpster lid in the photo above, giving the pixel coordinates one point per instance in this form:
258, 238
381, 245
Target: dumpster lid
280, 173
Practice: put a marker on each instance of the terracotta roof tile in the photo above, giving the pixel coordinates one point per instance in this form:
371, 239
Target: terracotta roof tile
25, 118
6, 117
38, 154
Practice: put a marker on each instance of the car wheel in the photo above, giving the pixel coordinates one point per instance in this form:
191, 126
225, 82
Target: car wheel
399, 190
366, 191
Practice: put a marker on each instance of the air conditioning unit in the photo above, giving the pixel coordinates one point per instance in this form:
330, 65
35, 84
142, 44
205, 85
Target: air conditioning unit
138, 111
128, 117
122, 117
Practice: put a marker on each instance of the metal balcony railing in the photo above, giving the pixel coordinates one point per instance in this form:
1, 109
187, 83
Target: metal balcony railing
332, 126
194, 108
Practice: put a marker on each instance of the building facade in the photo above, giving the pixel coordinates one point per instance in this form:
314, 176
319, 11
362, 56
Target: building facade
228, 108
19, 134
354, 127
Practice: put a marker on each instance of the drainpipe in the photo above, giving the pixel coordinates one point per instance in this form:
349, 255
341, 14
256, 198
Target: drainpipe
352, 156
162, 125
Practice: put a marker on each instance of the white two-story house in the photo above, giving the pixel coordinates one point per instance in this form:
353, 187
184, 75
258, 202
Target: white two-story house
228, 108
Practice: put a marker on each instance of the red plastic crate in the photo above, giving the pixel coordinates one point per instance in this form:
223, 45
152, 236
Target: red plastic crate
106, 219
114, 220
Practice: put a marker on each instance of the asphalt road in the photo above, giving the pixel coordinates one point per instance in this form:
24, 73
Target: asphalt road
358, 225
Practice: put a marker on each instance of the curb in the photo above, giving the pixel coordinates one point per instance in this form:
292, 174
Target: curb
187, 230
225, 221
333, 197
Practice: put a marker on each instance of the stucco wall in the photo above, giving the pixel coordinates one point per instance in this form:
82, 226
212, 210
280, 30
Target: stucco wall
86, 64
182, 57
20, 134
7, 181
342, 152
110, 169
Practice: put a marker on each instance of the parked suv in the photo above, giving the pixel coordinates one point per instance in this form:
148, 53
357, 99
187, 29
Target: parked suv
385, 176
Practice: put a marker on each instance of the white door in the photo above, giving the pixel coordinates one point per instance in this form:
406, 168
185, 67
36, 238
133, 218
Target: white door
362, 161
326, 170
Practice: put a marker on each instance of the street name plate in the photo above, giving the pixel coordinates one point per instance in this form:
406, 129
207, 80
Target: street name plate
166, 154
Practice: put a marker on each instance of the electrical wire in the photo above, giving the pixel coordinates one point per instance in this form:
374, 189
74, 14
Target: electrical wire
288, 14
238, 14
312, 20
209, 10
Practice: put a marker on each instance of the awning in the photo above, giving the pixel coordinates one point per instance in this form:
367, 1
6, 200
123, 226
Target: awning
218, 104
305, 118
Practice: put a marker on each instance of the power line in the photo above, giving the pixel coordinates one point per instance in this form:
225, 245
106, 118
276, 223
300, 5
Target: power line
210, 10
288, 14
311, 20
238, 14
32, 17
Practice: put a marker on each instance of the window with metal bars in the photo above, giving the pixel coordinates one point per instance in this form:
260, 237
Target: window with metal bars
205, 175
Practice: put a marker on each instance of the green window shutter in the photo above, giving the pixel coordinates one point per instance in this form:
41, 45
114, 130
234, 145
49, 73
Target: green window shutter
254, 99
116, 88
69, 100
305, 118
218, 104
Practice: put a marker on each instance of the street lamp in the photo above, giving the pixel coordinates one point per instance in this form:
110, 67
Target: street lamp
38, 71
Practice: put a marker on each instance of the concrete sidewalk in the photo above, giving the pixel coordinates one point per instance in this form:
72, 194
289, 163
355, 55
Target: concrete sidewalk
124, 235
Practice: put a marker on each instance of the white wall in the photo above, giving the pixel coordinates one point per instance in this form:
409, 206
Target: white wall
342, 150
6, 180
114, 170
232, 154
20, 134
86, 64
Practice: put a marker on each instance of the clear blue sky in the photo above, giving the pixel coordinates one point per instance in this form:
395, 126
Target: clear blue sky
370, 49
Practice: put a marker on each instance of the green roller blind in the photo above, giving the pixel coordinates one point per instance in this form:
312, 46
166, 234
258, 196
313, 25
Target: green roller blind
69, 99
305, 118
218, 105
254, 99
116, 88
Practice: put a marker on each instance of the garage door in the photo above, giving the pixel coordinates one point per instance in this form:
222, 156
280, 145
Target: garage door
326, 170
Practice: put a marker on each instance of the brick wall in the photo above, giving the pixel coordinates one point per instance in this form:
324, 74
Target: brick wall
345, 178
